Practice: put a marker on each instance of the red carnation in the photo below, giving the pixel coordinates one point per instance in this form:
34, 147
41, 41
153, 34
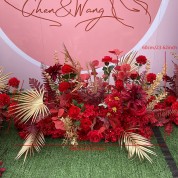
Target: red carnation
134, 75
74, 111
63, 86
95, 136
4, 100
86, 124
67, 69
151, 77
13, 82
107, 59
141, 60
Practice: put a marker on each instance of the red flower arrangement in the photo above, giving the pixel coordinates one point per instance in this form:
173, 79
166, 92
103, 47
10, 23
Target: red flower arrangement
14, 82
85, 106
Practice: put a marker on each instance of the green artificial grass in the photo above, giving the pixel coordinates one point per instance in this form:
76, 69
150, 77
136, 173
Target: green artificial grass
57, 162
172, 142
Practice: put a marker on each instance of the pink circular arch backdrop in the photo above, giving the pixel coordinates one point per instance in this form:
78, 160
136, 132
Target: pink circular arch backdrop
89, 28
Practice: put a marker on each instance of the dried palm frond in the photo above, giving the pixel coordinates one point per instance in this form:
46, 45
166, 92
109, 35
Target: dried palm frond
129, 59
137, 145
75, 64
151, 89
3, 79
34, 140
31, 106
157, 99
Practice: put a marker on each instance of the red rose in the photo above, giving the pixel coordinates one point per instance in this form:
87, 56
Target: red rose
86, 124
139, 111
119, 85
107, 59
4, 100
170, 100
13, 82
175, 105
74, 111
151, 77
67, 69
63, 86
141, 60
95, 136
134, 75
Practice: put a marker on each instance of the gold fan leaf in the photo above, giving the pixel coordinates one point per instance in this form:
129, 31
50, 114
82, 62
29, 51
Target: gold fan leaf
34, 140
3, 79
129, 59
31, 106
137, 145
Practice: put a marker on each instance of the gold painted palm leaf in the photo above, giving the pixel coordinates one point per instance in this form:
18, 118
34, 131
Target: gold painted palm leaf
129, 59
31, 106
3, 79
34, 141
137, 145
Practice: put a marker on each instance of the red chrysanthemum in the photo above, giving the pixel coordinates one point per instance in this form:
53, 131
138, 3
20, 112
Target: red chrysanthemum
13, 82
151, 77
4, 100
54, 71
141, 60
63, 86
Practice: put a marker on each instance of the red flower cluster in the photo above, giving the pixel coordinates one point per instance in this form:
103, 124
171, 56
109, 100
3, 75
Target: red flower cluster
14, 82
4, 100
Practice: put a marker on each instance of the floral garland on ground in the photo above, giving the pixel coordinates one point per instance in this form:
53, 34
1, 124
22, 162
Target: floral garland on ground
85, 106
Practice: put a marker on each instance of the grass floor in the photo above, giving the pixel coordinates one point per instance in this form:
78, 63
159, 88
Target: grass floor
172, 142
56, 162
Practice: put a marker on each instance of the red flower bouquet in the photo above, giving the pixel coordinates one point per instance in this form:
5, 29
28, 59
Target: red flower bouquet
119, 106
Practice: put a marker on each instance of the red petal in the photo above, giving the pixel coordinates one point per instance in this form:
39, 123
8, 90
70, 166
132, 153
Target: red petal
59, 125
60, 112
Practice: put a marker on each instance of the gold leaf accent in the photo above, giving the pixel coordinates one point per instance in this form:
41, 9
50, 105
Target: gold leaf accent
151, 89
137, 145
31, 106
148, 66
34, 140
71, 132
3, 79
158, 98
